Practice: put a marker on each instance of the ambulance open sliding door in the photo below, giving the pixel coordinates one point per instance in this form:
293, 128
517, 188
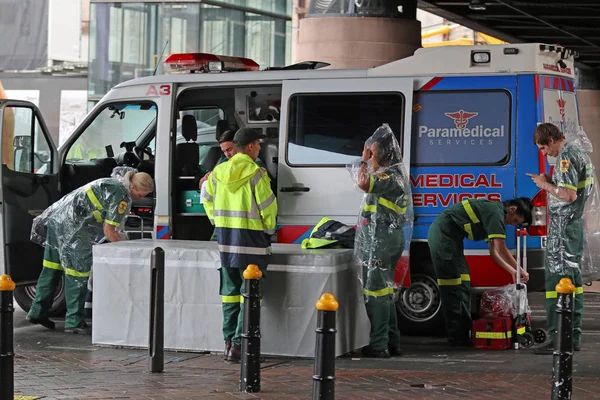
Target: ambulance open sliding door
324, 125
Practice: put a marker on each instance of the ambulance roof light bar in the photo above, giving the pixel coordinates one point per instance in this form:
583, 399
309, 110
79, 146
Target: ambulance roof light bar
203, 62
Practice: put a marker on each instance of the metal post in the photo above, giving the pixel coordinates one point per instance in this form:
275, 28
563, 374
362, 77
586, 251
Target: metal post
562, 368
7, 356
156, 343
250, 369
324, 377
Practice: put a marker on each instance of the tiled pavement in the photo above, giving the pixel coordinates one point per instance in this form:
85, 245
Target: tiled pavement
99, 373
61, 366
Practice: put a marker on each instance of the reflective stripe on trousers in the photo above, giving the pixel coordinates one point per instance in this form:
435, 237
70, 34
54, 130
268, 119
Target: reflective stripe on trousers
455, 281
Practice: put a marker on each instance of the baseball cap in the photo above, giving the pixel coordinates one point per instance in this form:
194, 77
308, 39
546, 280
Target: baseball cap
246, 136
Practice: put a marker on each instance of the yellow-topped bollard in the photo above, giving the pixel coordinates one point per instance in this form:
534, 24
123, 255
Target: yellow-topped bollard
252, 272
327, 303
250, 368
562, 371
6, 284
324, 375
7, 355
565, 286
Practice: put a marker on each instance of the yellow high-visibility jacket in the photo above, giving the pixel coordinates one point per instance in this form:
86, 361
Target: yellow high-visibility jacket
241, 205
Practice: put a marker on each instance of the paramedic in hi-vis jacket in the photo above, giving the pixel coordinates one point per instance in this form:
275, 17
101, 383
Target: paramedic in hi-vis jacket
475, 220
241, 205
568, 189
383, 232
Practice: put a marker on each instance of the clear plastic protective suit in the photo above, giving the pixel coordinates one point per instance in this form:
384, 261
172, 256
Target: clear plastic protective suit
384, 227
504, 302
70, 226
574, 231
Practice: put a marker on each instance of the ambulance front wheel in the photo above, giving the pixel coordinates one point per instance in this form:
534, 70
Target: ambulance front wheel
540, 335
419, 307
24, 296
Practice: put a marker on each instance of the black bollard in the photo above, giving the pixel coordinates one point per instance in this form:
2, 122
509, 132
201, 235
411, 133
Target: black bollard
324, 377
7, 356
562, 368
156, 343
250, 369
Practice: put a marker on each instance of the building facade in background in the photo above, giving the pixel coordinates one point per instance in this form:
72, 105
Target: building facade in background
130, 39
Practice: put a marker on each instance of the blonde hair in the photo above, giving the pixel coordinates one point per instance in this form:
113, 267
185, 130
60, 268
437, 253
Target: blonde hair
141, 180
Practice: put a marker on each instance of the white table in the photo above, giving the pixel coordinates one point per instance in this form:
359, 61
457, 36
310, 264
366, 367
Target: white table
296, 278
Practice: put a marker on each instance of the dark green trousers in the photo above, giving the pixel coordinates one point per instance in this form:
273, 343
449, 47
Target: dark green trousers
566, 238
381, 254
75, 289
231, 289
454, 281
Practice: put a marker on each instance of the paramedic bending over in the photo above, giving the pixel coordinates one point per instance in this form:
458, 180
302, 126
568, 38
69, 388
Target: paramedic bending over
475, 220
68, 229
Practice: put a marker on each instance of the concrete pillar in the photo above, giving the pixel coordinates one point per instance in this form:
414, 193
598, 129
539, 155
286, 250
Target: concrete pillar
356, 42
356, 33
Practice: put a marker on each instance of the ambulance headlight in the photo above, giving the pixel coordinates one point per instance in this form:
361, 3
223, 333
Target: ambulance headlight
480, 57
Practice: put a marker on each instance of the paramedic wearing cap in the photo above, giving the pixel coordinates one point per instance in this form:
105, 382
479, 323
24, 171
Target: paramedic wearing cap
68, 229
228, 148
241, 205
569, 189
475, 220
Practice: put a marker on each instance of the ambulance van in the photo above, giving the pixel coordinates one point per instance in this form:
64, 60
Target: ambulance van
464, 116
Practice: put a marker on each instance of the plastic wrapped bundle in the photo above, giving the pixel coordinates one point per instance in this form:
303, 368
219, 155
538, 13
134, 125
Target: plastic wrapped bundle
504, 302
384, 228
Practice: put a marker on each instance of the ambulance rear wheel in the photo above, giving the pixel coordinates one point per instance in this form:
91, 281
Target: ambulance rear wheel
25, 295
540, 335
419, 307
526, 340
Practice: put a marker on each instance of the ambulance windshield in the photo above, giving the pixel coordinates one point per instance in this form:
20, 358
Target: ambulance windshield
115, 124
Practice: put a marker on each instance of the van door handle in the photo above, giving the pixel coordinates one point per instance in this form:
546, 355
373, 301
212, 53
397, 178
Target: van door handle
289, 189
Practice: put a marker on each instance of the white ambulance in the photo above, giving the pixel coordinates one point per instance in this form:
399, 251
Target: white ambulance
464, 117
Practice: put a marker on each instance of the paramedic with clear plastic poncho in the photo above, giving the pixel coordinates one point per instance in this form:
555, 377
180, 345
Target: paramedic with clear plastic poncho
568, 189
68, 229
383, 230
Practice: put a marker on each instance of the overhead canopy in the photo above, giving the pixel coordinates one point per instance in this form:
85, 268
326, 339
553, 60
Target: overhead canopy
573, 24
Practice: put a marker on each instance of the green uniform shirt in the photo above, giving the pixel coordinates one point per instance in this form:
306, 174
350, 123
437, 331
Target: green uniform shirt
573, 170
478, 219
385, 202
107, 200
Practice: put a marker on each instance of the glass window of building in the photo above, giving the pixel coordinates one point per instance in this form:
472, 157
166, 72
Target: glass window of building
127, 39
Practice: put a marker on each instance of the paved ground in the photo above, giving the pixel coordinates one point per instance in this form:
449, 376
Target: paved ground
60, 366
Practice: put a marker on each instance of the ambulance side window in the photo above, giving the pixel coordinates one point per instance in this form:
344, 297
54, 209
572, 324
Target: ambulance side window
29, 151
331, 129
461, 128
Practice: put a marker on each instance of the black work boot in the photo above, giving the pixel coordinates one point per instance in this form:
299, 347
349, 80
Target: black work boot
45, 322
82, 329
227, 347
394, 351
235, 353
369, 352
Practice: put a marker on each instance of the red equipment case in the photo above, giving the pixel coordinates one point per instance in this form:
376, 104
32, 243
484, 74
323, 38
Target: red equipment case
492, 333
